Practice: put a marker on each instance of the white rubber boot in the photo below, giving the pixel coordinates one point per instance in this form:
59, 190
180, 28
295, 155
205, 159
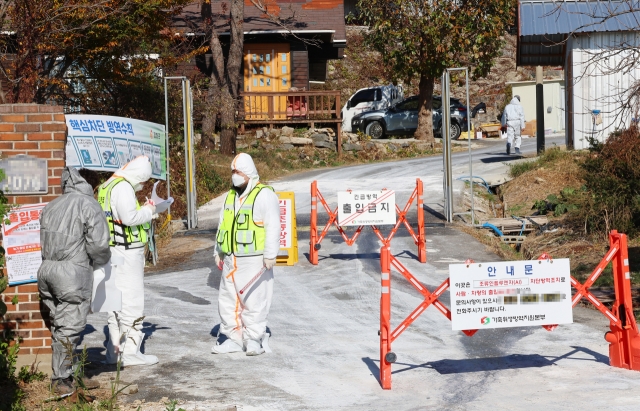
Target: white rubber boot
131, 354
254, 348
114, 339
226, 347
113, 351
265, 342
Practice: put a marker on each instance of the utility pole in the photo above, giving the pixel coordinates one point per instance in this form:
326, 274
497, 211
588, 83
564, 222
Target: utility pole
540, 109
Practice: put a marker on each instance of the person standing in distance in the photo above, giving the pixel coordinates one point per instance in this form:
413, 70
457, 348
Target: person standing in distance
513, 119
128, 224
74, 237
247, 242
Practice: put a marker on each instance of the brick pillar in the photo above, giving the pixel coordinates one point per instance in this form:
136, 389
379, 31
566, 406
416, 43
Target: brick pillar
26, 319
39, 131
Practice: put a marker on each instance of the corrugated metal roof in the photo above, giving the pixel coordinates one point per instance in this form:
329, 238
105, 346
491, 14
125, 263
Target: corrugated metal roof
538, 17
541, 50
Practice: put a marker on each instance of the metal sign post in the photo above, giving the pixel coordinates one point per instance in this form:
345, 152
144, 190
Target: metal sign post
189, 157
446, 145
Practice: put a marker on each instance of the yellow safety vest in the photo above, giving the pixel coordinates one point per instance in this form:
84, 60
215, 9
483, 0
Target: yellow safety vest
129, 237
239, 234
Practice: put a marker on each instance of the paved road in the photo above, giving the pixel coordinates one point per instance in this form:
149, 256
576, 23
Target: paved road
325, 319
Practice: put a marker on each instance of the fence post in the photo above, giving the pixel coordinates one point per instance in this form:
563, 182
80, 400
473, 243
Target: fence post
313, 237
339, 126
624, 341
385, 317
422, 241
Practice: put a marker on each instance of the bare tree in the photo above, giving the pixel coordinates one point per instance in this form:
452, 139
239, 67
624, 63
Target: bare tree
5, 34
61, 50
225, 82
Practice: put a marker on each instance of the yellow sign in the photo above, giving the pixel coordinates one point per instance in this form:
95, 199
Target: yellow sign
288, 254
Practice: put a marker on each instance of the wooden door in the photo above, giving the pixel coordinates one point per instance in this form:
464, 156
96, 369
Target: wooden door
267, 70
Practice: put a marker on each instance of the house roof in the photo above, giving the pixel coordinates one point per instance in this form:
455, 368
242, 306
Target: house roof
539, 17
324, 18
543, 26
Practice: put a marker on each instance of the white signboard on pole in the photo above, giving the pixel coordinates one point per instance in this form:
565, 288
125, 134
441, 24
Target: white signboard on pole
356, 208
510, 294
106, 143
21, 240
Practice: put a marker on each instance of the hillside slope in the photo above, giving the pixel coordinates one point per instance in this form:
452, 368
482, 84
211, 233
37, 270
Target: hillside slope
362, 67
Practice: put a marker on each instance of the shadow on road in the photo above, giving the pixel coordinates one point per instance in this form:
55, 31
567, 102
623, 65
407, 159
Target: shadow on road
433, 213
508, 362
499, 158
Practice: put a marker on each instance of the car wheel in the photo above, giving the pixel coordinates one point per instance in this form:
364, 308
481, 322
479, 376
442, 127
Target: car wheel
375, 130
455, 131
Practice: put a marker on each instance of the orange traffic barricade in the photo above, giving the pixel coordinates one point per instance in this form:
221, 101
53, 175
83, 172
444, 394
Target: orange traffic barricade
624, 339
418, 235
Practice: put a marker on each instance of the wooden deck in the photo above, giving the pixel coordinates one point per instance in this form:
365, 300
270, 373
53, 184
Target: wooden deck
292, 107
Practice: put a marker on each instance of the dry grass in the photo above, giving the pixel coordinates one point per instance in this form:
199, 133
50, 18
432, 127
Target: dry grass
38, 392
522, 192
549, 175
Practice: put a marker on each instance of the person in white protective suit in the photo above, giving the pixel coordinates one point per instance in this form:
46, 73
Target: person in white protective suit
513, 120
128, 224
247, 244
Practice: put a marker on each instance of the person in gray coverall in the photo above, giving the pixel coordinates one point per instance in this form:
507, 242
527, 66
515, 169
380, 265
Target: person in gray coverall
74, 237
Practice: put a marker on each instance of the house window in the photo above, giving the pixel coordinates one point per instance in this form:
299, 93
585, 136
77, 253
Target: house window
268, 57
268, 69
284, 81
284, 56
284, 69
255, 58
261, 69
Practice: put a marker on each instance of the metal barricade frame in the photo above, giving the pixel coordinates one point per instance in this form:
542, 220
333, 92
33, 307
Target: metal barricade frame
418, 237
624, 337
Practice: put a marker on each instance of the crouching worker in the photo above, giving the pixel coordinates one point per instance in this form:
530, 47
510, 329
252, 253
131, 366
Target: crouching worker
128, 224
247, 244
74, 238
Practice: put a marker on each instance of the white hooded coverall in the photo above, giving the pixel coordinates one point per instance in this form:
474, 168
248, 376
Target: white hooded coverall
128, 264
513, 118
244, 317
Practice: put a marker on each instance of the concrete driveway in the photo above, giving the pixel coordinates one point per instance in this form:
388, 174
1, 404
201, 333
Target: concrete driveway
325, 319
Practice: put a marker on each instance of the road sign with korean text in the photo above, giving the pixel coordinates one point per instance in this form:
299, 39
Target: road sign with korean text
356, 208
510, 294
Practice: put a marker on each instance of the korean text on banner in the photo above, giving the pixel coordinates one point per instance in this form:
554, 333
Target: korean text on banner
21, 241
356, 208
288, 254
510, 294
106, 143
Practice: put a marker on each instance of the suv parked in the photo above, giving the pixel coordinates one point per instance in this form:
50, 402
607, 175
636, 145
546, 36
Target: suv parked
402, 119
367, 99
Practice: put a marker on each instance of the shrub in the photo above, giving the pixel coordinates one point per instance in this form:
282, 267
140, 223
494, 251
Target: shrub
568, 201
612, 177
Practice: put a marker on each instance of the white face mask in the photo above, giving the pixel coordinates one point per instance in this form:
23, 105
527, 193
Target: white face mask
237, 180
